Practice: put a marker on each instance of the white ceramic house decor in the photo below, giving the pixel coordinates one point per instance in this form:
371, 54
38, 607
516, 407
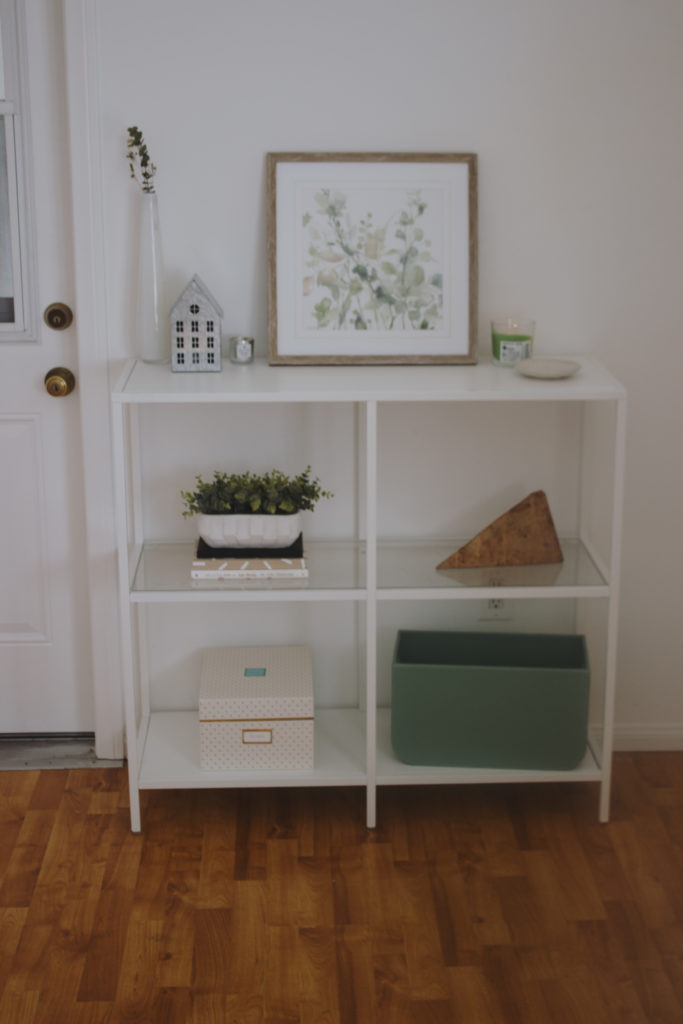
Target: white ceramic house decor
196, 329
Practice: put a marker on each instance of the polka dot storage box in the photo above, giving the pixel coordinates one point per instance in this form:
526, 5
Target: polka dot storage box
256, 708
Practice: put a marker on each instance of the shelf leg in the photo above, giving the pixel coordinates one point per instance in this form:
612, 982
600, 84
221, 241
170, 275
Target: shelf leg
135, 818
603, 813
371, 610
371, 807
125, 611
613, 613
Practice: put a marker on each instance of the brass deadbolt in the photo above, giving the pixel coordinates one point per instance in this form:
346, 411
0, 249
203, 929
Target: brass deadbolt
59, 382
58, 316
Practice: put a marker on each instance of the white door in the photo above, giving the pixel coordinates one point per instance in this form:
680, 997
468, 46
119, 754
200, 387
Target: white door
46, 683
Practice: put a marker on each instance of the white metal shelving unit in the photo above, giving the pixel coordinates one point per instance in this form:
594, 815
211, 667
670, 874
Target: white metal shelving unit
352, 745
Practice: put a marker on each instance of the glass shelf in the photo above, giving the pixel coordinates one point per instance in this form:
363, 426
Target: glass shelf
335, 567
412, 566
337, 571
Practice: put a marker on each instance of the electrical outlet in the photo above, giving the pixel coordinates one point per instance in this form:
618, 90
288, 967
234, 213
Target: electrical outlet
495, 610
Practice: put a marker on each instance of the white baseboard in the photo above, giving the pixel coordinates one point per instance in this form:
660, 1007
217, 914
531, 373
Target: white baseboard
648, 737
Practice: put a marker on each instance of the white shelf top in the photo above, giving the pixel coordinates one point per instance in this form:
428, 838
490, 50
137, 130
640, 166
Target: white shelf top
170, 759
392, 772
258, 382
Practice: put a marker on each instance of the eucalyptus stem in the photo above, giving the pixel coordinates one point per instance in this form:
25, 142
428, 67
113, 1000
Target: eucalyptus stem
141, 167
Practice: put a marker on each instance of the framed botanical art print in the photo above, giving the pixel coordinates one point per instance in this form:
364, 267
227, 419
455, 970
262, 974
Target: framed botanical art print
372, 257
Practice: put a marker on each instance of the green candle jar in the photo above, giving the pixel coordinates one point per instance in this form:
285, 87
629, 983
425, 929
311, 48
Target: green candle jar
512, 339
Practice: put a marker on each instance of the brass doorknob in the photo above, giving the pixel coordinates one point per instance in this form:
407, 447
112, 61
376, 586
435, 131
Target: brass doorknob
59, 382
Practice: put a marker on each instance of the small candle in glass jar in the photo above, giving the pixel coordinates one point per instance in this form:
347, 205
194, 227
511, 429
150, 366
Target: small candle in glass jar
512, 339
241, 349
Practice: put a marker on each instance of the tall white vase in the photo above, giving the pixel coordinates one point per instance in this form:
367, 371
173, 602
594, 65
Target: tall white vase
152, 328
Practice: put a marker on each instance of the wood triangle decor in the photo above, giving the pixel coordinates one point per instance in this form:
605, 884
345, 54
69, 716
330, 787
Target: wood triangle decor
524, 535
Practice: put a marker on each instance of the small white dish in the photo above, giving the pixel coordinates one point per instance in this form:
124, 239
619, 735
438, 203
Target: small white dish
547, 369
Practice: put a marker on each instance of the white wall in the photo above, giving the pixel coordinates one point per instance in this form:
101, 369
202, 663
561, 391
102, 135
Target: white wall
574, 110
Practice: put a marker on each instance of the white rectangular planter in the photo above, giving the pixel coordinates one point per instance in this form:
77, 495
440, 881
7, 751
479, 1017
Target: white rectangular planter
256, 708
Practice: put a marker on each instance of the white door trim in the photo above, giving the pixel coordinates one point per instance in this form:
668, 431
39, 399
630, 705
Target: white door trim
81, 41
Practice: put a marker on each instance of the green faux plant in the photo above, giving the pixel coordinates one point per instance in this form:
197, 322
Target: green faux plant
249, 493
141, 167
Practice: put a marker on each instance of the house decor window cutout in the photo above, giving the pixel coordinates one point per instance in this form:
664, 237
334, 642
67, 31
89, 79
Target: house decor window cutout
372, 257
197, 314
524, 535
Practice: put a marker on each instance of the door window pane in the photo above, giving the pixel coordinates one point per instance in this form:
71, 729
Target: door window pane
6, 276
2, 69
17, 312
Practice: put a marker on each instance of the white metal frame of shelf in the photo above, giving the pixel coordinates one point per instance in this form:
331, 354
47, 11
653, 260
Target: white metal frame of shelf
353, 745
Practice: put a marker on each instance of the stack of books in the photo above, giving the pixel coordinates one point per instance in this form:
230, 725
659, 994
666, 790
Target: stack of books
249, 569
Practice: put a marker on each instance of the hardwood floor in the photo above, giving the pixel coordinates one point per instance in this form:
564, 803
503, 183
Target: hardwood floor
480, 905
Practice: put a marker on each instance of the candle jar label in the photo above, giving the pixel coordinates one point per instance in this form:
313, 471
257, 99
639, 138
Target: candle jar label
509, 349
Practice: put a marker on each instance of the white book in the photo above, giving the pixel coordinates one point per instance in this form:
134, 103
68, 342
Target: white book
249, 569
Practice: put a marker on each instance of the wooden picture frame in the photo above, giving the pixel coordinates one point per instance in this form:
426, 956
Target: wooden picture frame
372, 258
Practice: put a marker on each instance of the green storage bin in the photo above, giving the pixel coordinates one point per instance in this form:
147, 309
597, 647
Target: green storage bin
490, 700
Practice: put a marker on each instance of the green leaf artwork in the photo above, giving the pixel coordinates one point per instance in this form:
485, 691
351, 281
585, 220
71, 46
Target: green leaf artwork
360, 274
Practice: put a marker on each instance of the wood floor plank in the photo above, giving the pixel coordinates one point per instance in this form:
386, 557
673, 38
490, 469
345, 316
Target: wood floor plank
532, 918
298, 890
632, 942
471, 910
138, 981
16, 790
392, 988
219, 1008
176, 946
500, 836
357, 1001
450, 951
60, 973
428, 979
653, 867
251, 828
319, 980
394, 826
431, 1012
473, 998
20, 875
282, 995
49, 791
19, 1006
350, 895
101, 972
427, 973
229, 944
380, 877
217, 868
12, 922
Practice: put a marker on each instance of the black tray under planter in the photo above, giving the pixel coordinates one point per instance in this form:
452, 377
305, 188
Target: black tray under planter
490, 700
